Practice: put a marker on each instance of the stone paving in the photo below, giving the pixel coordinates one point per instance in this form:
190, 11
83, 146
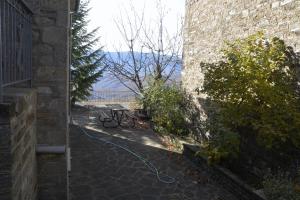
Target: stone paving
103, 171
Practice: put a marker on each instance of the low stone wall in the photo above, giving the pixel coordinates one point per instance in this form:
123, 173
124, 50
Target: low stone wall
18, 168
255, 160
222, 176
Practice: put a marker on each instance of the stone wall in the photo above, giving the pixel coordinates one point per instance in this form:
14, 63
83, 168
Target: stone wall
225, 178
18, 167
255, 161
51, 69
5, 153
209, 23
51, 35
50, 77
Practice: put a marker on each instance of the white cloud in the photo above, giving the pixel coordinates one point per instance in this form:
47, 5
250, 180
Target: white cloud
103, 13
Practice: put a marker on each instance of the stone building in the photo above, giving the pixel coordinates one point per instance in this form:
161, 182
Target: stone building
34, 110
209, 23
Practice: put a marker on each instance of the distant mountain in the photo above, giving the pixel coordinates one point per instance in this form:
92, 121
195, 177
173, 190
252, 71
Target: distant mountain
109, 82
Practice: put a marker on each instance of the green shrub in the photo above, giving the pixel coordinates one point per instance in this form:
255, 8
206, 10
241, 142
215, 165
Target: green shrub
166, 103
280, 187
254, 88
222, 141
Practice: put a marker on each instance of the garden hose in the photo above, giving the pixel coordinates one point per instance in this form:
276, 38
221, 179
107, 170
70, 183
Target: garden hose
161, 177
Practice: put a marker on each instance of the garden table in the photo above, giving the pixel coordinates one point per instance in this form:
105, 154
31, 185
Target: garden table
118, 114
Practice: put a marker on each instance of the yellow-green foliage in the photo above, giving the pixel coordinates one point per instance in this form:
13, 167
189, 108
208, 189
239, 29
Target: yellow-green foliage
255, 87
165, 103
223, 142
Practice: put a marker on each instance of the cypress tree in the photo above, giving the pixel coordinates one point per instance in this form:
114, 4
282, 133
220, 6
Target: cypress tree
87, 59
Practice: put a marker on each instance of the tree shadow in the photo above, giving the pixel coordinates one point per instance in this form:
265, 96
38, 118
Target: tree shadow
253, 160
107, 171
88, 116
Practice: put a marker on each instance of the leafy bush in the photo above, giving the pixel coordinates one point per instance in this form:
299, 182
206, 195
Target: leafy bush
254, 88
166, 103
222, 142
280, 187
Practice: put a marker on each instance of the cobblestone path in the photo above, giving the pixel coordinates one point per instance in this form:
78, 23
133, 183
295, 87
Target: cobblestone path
101, 171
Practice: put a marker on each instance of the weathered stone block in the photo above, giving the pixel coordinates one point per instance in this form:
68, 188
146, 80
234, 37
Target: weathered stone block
286, 2
55, 4
275, 4
54, 35
44, 90
62, 19
43, 49
35, 35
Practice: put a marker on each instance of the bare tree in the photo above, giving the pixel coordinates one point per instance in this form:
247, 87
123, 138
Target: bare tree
165, 49
153, 54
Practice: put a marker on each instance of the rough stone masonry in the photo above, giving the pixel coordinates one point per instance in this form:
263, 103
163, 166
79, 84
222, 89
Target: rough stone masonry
50, 76
209, 23
23, 175
51, 25
18, 166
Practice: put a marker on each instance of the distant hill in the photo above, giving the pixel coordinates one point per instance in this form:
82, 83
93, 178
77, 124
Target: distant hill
109, 82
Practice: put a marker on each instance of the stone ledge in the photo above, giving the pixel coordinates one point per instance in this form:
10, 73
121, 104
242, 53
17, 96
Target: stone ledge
222, 176
15, 99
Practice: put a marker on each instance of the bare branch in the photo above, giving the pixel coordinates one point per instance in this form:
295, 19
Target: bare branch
152, 52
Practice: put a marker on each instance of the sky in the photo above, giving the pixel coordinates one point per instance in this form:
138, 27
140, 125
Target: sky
104, 14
